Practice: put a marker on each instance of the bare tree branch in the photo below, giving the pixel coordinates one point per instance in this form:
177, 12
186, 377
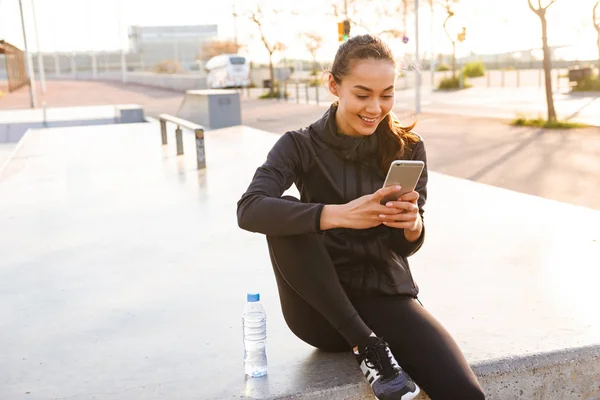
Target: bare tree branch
395, 33
531, 6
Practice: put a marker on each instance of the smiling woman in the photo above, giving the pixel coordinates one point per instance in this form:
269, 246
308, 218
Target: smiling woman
339, 255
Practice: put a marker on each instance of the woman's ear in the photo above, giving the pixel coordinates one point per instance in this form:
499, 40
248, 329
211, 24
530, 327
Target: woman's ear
333, 87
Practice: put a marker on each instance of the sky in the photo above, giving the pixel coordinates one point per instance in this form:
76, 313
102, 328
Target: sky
493, 26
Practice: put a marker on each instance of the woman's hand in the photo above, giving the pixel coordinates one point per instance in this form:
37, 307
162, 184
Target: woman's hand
407, 215
361, 213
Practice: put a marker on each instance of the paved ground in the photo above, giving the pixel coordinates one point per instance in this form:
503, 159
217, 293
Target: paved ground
560, 165
118, 285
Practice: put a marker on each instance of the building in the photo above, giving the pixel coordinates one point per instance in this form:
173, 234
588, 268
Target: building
156, 44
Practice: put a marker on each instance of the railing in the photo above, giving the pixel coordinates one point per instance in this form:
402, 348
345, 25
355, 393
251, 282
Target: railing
181, 123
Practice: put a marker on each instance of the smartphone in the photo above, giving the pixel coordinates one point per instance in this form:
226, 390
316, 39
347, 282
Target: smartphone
405, 173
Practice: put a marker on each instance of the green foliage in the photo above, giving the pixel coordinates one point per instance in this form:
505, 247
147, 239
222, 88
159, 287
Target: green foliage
587, 85
442, 68
453, 83
542, 123
276, 94
474, 69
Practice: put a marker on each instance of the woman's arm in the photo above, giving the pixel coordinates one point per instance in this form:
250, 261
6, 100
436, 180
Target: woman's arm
261, 209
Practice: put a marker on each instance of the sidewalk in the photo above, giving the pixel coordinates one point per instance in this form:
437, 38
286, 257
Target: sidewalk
555, 164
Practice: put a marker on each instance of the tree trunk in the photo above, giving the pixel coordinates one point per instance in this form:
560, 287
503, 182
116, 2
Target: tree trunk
598, 29
547, 68
453, 60
272, 73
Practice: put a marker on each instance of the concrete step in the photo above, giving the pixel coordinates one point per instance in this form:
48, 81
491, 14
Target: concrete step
123, 275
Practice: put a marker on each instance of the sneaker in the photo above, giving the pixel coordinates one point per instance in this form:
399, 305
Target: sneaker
387, 379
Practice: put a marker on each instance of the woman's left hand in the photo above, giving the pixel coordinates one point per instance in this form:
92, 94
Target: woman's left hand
408, 217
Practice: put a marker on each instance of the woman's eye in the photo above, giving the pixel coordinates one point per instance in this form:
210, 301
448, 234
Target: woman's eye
362, 97
388, 96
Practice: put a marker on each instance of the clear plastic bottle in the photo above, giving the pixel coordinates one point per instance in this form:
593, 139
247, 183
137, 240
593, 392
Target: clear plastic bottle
254, 324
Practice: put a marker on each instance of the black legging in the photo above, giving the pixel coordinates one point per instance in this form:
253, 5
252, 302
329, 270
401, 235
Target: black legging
320, 312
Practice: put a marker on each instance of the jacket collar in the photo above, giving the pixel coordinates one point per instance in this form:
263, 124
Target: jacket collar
349, 147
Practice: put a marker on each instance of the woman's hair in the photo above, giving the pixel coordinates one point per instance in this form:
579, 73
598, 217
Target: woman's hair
393, 143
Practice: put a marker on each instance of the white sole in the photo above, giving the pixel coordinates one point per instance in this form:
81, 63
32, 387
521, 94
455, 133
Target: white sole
409, 396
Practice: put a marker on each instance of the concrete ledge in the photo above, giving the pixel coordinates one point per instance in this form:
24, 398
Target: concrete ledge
131, 282
14, 123
563, 374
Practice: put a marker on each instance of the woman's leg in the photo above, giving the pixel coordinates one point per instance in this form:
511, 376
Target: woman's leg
305, 321
307, 282
301, 263
421, 345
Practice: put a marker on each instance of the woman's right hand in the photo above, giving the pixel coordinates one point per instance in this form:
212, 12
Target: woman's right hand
360, 213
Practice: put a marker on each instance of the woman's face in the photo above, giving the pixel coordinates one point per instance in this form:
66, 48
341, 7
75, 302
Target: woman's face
366, 96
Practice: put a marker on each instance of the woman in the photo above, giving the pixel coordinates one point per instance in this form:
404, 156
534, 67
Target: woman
339, 256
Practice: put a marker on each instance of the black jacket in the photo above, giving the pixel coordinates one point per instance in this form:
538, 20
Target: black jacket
331, 168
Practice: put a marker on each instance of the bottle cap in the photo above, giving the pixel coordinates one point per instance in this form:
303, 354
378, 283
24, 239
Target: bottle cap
253, 297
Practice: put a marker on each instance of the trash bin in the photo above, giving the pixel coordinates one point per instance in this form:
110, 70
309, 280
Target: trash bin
267, 83
577, 74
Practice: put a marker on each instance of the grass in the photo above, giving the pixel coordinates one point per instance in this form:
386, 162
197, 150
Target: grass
588, 85
453, 83
542, 123
275, 95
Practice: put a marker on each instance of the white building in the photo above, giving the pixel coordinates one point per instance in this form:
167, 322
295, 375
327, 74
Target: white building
155, 44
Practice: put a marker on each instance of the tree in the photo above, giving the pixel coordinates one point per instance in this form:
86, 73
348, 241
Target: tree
355, 12
217, 47
541, 13
271, 45
596, 16
448, 6
407, 6
313, 43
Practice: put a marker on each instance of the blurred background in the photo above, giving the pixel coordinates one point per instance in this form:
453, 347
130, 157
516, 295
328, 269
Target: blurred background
499, 42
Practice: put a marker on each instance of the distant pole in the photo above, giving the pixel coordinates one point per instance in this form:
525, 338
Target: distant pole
417, 73
235, 32
123, 59
346, 8
39, 55
432, 44
29, 61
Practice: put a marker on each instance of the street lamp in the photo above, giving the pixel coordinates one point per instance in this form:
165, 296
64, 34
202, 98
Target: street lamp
29, 61
417, 73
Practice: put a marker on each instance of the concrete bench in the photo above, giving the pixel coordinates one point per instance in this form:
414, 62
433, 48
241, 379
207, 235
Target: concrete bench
212, 109
132, 280
14, 123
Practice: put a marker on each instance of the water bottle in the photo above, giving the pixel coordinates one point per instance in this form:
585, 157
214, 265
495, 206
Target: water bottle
254, 324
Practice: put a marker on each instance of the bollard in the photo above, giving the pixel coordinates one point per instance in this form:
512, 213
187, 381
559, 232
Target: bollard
297, 93
285, 91
489, 78
179, 141
44, 114
503, 74
317, 93
163, 131
540, 78
200, 154
518, 77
